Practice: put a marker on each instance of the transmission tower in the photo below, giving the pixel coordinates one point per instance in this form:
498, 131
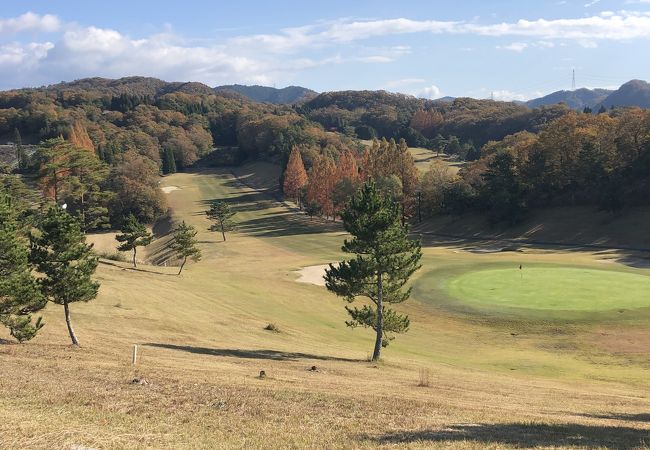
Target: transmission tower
573, 81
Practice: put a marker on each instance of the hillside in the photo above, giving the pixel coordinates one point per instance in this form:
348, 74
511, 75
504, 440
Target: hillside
266, 94
632, 93
383, 114
578, 99
142, 86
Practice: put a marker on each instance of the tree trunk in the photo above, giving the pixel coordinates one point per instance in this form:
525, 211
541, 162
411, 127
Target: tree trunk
83, 203
73, 337
182, 265
135, 264
379, 327
223, 232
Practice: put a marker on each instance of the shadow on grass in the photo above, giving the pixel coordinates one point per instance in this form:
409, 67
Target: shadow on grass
525, 435
643, 417
274, 355
133, 269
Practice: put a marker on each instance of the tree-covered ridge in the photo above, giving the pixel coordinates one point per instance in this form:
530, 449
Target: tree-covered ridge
369, 114
600, 160
266, 94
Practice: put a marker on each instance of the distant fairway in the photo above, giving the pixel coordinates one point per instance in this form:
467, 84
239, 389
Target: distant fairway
553, 288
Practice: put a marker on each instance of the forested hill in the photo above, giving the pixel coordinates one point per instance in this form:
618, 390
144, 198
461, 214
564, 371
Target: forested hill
578, 99
127, 132
266, 94
369, 114
633, 93
136, 86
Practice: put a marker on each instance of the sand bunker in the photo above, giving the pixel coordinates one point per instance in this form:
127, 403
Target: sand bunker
168, 189
312, 274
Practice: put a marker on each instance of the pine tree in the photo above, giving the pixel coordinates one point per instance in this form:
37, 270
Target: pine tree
221, 214
85, 197
53, 156
67, 263
295, 176
169, 162
20, 151
134, 235
184, 244
385, 260
20, 295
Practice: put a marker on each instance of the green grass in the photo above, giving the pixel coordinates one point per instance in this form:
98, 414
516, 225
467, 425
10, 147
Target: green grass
553, 288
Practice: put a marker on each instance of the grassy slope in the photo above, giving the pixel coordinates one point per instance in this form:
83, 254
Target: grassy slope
494, 379
424, 157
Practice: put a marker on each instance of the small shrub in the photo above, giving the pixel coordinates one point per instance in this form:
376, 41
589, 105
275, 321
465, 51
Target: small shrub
272, 327
425, 376
113, 256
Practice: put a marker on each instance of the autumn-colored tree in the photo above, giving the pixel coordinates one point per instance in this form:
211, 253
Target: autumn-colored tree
347, 168
295, 176
386, 159
78, 137
427, 122
322, 178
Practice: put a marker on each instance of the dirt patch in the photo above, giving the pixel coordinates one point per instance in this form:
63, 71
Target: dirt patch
313, 274
168, 189
633, 341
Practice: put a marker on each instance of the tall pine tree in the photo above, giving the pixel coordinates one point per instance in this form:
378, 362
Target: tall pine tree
67, 263
184, 244
221, 214
20, 295
385, 258
134, 235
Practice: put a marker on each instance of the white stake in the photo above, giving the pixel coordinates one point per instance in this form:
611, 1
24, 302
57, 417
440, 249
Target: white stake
135, 353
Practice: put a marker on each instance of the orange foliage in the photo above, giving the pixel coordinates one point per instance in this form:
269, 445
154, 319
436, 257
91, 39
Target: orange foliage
295, 176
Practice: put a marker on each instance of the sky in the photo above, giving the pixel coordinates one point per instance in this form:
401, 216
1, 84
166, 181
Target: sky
512, 50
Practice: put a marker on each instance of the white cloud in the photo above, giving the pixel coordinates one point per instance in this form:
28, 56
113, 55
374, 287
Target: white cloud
515, 47
30, 22
267, 58
430, 92
507, 96
591, 3
24, 55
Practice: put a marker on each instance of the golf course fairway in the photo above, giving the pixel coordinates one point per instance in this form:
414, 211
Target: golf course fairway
552, 288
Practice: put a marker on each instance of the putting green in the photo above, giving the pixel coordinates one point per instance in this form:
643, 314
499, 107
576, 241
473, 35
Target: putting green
553, 288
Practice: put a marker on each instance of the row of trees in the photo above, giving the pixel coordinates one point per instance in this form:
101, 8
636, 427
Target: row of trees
332, 180
579, 159
99, 194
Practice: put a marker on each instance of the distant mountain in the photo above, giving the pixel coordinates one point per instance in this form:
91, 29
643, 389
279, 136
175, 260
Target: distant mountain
632, 93
143, 86
578, 99
266, 94
446, 99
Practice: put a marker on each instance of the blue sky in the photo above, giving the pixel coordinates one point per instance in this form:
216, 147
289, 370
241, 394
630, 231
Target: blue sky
514, 49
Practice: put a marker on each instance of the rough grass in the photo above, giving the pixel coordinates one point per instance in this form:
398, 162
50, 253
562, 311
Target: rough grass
494, 381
